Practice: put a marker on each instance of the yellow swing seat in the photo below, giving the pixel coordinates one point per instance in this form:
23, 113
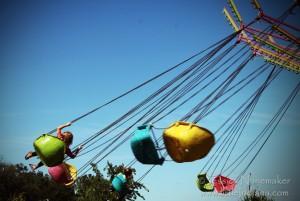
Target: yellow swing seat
186, 142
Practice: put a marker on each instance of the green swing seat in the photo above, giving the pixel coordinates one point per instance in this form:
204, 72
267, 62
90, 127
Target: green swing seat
203, 183
50, 149
143, 146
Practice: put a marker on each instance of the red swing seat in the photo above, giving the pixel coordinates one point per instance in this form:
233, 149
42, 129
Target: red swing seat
224, 184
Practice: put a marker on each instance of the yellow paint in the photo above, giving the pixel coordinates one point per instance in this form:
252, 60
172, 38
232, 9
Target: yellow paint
235, 11
256, 4
286, 65
276, 47
230, 19
288, 35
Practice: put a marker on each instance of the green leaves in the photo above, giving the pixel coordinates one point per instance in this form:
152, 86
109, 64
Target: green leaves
256, 196
97, 188
18, 184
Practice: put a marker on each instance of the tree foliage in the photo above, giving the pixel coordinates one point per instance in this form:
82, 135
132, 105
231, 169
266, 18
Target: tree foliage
97, 188
19, 184
132, 185
256, 196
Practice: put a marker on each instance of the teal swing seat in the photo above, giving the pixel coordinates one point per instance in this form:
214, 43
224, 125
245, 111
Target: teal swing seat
143, 146
119, 183
203, 183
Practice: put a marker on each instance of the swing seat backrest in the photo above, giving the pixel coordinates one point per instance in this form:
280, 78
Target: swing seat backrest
143, 146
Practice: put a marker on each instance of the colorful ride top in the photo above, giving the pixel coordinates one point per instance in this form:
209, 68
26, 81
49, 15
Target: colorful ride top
276, 43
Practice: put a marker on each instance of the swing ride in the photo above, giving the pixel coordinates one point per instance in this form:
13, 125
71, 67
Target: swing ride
186, 142
119, 183
143, 146
216, 76
50, 149
63, 173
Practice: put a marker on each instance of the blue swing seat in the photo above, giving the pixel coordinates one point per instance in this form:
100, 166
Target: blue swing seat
119, 183
143, 146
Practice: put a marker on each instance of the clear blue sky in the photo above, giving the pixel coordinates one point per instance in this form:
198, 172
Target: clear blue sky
59, 59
